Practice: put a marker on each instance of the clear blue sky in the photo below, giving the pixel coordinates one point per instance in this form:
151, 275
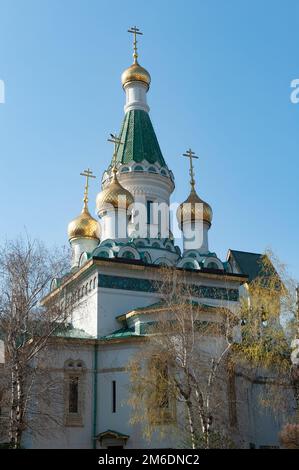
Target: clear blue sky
221, 73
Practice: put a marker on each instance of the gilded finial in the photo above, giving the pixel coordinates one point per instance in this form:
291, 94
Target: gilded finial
117, 142
134, 30
114, 194
88, 174
190, 154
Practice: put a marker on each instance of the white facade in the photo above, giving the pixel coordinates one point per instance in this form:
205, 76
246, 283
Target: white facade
79, 246
114, 277
136, 96
195, 236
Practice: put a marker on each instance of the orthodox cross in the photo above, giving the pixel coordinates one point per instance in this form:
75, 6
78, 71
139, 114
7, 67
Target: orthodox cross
117, 142
88, 174
135, 31
189, 154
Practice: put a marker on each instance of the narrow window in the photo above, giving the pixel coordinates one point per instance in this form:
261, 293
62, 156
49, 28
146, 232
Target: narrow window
163, 386
162, 383
113, 396
73, 394
149, 207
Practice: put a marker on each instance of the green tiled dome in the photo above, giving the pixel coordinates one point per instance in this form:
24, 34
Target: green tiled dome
139, 140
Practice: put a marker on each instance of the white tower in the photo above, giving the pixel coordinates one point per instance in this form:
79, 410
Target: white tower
84, 231
114, 204
141, 168
194, 217
136, 81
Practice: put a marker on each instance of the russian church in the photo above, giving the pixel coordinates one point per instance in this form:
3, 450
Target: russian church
113, 274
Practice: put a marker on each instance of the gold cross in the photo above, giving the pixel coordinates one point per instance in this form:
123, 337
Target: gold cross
88, 174
134, 30
190, 154
117, 142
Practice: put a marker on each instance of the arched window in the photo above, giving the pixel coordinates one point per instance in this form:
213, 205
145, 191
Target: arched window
109, 244
138, 168
155, 245
128, 255
146, 258
212, 265
125, 169
163, 172
188, 265
152, 169
74, 372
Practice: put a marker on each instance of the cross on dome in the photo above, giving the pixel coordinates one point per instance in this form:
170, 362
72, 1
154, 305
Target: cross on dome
190, 154
117, 142
134, 30
88, 174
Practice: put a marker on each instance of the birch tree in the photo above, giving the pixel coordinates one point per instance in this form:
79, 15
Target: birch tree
190, 356
179, 378
26, 269
267, 317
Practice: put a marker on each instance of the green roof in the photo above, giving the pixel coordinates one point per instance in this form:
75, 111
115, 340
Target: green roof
122, 333
139, 140
153, 306
68, 331
248, 263
161, 304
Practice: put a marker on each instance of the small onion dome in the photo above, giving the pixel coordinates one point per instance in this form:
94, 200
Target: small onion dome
115, 194
135, 73
84, 226
192, 210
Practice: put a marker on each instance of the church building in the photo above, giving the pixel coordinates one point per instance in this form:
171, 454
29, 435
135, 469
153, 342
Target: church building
115, 265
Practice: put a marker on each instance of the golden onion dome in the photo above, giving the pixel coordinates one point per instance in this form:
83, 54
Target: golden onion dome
192, 210
115, 194
136, 73
84, 226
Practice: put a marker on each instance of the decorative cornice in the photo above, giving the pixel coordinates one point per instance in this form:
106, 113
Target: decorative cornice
165, 309
135, 265
148, 285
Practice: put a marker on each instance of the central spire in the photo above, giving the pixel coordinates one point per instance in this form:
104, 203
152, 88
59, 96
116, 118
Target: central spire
136, 80
134, 30
137, 134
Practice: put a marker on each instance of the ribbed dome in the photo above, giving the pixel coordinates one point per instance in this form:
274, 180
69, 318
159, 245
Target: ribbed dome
84, 226
136, 73
191, 209
115, 195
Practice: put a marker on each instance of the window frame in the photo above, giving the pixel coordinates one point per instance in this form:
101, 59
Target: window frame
74, 369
